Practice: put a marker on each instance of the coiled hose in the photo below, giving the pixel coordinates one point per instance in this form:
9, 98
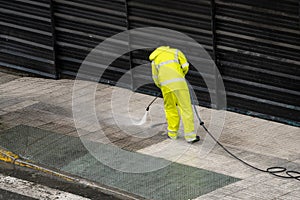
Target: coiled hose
276, 171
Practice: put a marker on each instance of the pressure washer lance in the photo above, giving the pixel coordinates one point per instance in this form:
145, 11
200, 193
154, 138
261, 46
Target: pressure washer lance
147, 109
290, 174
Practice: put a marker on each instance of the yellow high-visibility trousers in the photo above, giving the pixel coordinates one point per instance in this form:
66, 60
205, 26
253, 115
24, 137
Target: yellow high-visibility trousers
178, 105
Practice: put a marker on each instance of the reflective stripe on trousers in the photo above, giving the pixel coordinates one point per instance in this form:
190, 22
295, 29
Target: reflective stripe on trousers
181, 98
172, 81
190, 136
172, 134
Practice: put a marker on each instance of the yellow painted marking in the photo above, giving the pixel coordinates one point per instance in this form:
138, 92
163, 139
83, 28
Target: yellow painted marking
10, 157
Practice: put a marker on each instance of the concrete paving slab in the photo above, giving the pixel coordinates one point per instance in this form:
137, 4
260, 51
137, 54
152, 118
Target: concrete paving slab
5, 78
59, 110
19, 106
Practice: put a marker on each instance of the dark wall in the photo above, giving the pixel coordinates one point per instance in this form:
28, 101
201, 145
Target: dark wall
255, 44
82, 25
26, 36
258, 52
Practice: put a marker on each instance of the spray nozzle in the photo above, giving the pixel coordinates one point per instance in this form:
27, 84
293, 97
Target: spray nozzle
147, 109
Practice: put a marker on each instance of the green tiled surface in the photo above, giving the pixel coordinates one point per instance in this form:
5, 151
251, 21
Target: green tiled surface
174, 181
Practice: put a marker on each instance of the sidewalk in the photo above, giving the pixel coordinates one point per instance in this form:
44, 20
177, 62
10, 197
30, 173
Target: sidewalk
36, 122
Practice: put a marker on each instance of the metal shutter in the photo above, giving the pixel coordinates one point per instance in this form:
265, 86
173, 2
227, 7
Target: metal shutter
190, 17
26, 36
81, 25
258, 50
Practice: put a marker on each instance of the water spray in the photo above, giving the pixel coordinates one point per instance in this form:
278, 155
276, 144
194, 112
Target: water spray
144, 119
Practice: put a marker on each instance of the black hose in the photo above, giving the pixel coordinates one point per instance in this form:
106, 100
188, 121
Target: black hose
290, 174
148, 107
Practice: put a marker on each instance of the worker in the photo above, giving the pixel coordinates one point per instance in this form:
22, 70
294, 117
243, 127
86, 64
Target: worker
169, 67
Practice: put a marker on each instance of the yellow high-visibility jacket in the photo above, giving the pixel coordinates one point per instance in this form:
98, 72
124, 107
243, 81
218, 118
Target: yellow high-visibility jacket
169, 67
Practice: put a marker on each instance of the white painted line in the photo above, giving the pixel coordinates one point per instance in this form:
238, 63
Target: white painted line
33, 190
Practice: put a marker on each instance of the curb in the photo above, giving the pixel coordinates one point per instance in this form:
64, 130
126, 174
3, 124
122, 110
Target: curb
14, 159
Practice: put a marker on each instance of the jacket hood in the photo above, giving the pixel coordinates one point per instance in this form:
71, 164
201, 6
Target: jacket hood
158, 51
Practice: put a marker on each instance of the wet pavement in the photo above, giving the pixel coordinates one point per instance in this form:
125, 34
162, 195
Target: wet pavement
43, 107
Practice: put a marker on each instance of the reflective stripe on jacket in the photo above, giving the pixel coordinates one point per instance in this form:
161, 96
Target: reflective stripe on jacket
169, 67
